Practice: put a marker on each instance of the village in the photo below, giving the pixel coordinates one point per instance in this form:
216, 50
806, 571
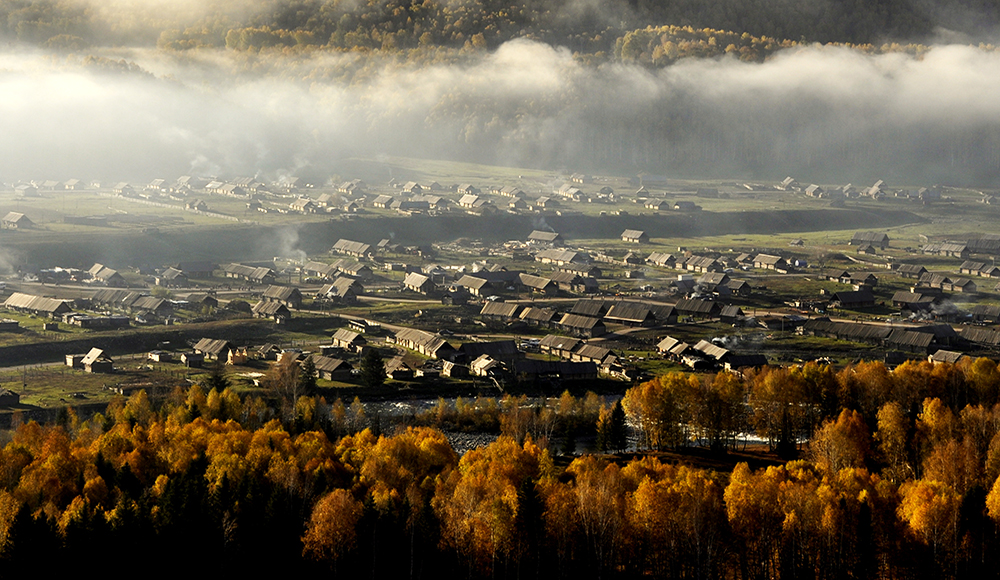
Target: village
542, 309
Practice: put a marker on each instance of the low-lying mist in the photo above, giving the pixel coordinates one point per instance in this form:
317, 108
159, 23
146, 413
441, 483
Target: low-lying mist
824, 114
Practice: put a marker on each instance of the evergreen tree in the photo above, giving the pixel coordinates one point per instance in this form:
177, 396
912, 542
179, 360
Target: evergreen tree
569, 440
372, 369
217, 378
307, 377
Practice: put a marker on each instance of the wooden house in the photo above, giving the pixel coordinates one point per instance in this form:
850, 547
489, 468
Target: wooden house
96, 361
331, 369
287, 295
16, 221
349, 340
635, 236
876, 239
274, 310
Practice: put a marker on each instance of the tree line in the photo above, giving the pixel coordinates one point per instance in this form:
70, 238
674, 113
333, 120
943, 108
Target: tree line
898, 480
396, 24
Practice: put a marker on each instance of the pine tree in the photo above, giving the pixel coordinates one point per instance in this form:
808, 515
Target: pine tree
217, 378
307, 377
372, 369
569, 440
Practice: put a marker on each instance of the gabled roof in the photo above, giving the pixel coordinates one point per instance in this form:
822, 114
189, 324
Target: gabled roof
701, 262
595, 308
592, 351
714, 278
15, 217
731, 312
503, 309
270, 309
556, 342
535, 282
200, 298
422, 340
855, 297
395, 364
696, 306
37, 303
904, 297
577, 321
282, 292
415, 280
661, 258
667, 343
542, 236
249, 272
345, 335
711, 350
556, 255
869, 237
151, 303
172, 274
768, 259
212, 346
986, 310
102, 272
340, 287
93, 356
629, 312
566, 277
472, 282
981, 335
351, 247
114, 296
909, 338
944, 247
328, 364
535, 314
947, 356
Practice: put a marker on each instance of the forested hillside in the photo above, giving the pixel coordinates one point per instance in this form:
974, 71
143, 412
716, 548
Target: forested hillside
582, 25
898, 480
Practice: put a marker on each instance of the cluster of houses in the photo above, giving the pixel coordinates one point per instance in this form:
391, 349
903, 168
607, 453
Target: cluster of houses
292, 195
588, 318
921, 339
878, 190
500, 360
143, 307
707, 355
97, 275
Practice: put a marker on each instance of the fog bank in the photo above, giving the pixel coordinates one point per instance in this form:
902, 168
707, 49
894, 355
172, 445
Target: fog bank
823, 113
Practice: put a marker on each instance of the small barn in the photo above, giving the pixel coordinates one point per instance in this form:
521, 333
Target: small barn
96, 361
15, 221
635, 236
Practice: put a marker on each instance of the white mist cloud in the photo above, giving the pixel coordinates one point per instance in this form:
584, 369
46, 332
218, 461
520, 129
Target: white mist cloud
831, 111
